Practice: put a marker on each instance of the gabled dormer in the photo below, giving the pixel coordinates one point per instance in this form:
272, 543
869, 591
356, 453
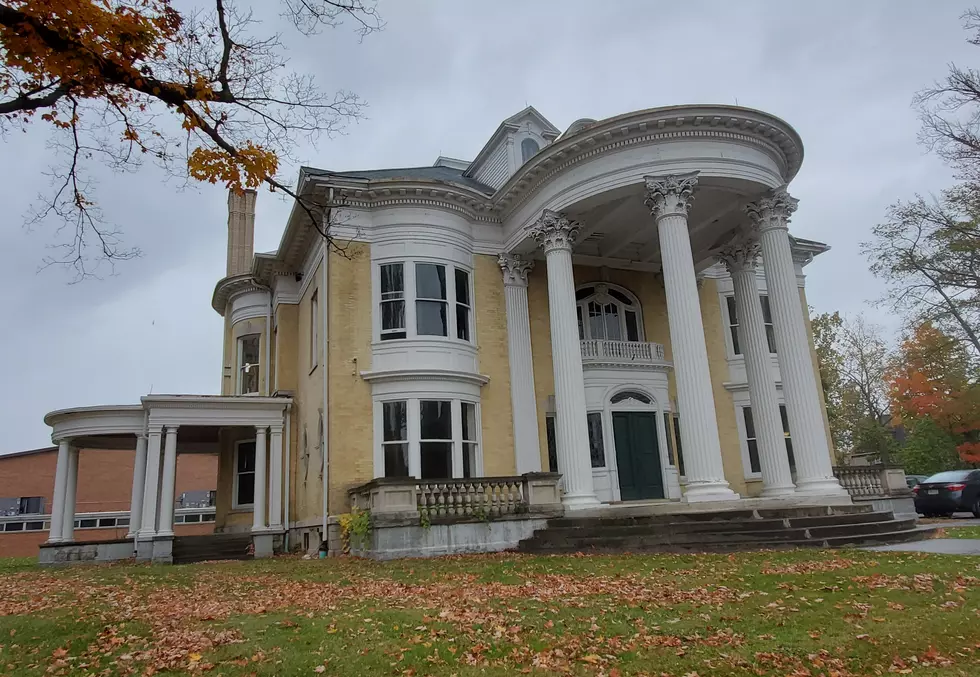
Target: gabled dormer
517, 140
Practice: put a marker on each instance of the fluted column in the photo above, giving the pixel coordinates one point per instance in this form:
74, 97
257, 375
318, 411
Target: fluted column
168, 484
139, 477
259, 506
60, 488
740, 258
527, 450
555, 234
669, 198
71, 494
151, 484
275, 477
814, 470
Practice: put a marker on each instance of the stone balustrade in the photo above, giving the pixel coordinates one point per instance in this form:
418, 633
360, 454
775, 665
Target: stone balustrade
872, 481
481, 498
626, 352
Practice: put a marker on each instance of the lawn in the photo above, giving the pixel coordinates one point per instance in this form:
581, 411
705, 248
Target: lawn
798, 613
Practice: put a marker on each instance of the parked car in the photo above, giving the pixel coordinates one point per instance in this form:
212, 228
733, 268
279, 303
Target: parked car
913, 480
947, 492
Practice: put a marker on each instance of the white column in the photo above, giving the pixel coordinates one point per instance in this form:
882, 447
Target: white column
60, 488
740, 258
527, 449
71, 493
168, 483
275, 477
814, 470
151, 484
669, 198
259, 507
555, 234
139, 477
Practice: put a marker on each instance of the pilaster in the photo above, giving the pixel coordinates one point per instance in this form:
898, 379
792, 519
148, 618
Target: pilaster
261, 481
151, 483
168, 484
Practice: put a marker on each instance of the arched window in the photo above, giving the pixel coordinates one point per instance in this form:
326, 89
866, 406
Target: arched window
630, 396
605, 312
529, 148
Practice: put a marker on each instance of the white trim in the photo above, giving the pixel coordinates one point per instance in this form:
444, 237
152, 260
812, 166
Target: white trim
234, 471
655, 407
636, 307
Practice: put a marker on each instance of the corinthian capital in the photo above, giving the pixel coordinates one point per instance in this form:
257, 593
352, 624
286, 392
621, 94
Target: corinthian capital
671, 194
772, 211
554, 231
741, 253
515, 269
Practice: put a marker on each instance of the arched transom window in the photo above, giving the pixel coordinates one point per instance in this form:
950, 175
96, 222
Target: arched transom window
606, 312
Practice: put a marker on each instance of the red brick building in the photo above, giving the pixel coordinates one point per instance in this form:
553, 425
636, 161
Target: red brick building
104, 484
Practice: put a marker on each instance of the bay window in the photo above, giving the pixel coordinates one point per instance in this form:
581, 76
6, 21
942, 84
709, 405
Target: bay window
421, 299
428, 439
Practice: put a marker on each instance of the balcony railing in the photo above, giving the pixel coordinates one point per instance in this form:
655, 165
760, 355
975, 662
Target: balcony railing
621, 352
872, 481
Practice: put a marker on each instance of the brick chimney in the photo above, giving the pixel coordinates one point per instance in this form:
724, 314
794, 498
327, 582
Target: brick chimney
241, 231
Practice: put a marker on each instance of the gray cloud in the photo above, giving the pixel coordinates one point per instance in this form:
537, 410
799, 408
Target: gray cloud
438, 80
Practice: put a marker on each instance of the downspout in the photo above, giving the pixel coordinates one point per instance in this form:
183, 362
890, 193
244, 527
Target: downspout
268, 345
288, 492
325, 311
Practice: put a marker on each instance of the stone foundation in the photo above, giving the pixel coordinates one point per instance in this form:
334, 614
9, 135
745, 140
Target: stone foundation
90, 552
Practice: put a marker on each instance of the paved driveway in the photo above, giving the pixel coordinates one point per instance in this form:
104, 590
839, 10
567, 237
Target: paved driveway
942, 546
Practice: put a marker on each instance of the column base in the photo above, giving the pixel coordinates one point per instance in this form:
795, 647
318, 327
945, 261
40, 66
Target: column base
709, 491
778, 492
821, 486
580, 501
168, 533
55, 540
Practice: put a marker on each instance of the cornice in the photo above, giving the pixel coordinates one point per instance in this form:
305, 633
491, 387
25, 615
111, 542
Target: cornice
425, 375
233, 285
589, 363
431, 194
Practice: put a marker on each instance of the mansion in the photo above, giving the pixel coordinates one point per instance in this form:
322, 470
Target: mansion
621, 303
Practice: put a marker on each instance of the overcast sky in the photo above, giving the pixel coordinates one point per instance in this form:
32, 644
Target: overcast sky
439, 80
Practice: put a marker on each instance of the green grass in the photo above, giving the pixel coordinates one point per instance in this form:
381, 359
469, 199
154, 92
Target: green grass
960, 532
849, 613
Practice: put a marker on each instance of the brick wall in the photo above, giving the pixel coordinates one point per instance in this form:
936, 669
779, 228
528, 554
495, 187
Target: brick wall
105, 481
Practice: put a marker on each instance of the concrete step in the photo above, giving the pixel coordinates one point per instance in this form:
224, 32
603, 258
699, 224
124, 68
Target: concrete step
189, 549
715, 517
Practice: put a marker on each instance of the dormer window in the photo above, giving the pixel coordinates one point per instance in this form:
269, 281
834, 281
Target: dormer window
529, 148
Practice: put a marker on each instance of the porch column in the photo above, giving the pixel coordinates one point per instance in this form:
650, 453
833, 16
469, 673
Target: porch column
555, 234
261, 481
71, 494
151, 484
139, 477
527, 450
740, 258
669, 198
275, 477
814, 470
168, 484
60, 489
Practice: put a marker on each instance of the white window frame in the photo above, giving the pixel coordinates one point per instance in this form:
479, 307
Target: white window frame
732, 327
411, 299
314, 329
242, 367
403, 298
413, 409
234, 471
602, 297
743, 437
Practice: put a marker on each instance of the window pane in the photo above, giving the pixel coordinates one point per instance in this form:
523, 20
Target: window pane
246, 457
732, 315
430, 281
754, 456
771, 338
469, 459
14, 526
749, 423
621, 297
436, 420
614, 331
250, 380
596, 327
529, 148
789, 455
462, 287
396, 460
246, 489
469, 421
9, 506
107, 521
431, 318
392, 315
596, 451
784, 418
632, 329
677, 441
581, 327
437, 459
766, 310
584, 293
735, 346
549, 426
392, 280
34, 526
250, 349
462, 322
87, 524
189, 519
395, 415
32, 505
629, 395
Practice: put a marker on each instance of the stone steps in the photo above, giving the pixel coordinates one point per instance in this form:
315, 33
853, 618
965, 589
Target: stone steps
189, 549
732, 530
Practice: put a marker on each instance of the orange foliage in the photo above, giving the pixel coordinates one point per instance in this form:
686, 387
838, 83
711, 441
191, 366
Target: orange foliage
930, 379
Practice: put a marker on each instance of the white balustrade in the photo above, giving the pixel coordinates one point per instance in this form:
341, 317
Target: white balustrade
601, 350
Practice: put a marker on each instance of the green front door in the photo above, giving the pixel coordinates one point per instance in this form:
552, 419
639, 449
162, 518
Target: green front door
637, 455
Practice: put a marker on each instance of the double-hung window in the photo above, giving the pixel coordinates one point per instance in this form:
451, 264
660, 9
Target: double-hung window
244, 474
392, 301
752, 443
436, 438
395, 438
429, 439
421, 299
766, 319
248, 364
